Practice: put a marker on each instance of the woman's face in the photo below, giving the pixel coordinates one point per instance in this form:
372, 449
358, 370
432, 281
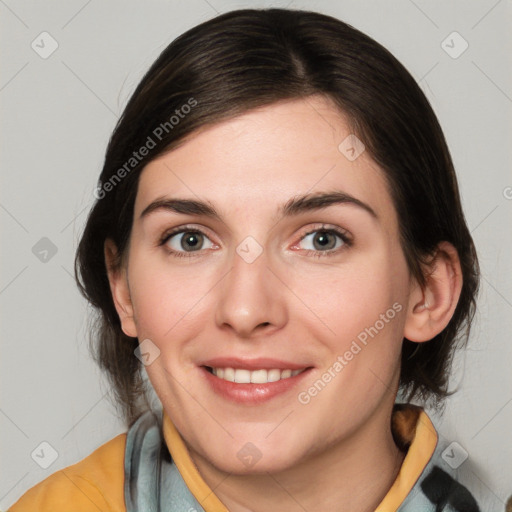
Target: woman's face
260, 277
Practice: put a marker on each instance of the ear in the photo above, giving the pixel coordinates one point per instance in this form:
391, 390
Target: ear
120, 290
431, 308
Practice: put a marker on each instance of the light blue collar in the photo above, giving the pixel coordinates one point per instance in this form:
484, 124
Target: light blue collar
152, 481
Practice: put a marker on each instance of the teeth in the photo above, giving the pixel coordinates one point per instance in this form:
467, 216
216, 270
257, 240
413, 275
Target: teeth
285, 374
229, 374
273, 375
243, 376
257, 376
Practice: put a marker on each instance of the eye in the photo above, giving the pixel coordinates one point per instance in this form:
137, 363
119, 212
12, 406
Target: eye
324, 241
185, 240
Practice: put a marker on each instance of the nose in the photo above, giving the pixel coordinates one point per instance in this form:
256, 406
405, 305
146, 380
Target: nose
251, 298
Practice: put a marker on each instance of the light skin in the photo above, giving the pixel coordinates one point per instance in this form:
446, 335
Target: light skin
337, 451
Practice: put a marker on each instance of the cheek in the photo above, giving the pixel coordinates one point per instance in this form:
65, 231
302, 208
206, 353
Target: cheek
163, 296
360, 318
345, 300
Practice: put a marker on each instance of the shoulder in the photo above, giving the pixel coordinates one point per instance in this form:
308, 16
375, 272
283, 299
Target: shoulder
94, 483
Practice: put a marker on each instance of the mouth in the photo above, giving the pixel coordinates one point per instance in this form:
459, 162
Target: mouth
252, 382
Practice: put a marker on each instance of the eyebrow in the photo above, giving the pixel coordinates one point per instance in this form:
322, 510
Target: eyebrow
295, 206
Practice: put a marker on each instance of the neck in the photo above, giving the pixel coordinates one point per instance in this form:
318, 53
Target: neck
353, 475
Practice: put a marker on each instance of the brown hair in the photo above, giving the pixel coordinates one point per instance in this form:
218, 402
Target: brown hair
249, 58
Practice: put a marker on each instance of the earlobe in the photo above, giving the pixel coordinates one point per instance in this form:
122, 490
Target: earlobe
120, 290
431, 308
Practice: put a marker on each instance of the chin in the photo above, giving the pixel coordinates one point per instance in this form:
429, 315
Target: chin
250, 458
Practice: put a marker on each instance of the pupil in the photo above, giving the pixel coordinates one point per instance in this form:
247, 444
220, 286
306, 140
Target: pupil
323, 239
191, 240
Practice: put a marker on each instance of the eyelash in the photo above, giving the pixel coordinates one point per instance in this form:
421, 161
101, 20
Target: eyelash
347, 241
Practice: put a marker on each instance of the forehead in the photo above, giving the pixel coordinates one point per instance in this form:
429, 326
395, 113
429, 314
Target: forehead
257, 161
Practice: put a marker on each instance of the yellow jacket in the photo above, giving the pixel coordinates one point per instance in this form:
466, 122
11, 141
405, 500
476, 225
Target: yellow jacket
97, 482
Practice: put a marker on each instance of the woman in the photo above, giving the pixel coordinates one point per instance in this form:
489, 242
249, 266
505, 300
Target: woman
278, 241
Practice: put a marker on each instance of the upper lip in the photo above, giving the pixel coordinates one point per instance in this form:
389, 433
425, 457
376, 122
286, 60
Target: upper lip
260, 363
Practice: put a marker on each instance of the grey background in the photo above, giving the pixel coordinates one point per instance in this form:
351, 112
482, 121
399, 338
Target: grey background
57, 115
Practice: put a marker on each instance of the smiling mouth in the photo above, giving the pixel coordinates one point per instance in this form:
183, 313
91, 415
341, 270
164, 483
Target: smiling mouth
262, 376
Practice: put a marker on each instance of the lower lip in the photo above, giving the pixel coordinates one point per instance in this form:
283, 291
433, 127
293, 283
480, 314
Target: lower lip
251, 393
